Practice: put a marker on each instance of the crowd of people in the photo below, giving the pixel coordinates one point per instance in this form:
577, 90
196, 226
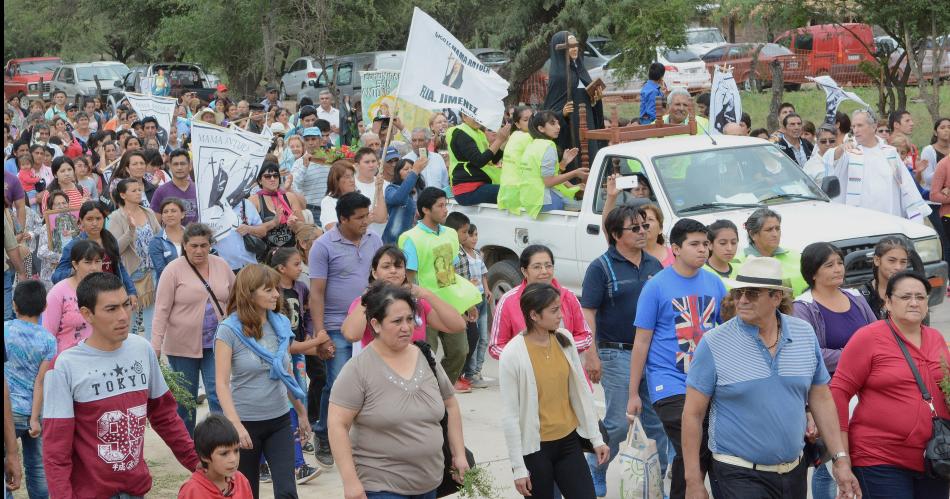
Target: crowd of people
307, 327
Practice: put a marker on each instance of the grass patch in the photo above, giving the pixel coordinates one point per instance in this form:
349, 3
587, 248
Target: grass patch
810, 104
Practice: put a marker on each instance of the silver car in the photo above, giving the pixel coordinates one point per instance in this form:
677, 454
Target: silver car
79, 79
302, 73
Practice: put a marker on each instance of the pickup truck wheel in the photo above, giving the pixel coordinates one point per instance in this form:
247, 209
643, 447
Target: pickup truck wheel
503, 276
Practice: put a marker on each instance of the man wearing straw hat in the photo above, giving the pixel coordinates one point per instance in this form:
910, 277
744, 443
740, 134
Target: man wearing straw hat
757, 375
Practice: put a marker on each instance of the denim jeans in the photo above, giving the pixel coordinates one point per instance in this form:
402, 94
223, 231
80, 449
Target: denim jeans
476, 355
823, 485
8, 277
891, 482
486, 193
615, 379
344, 350
191, 368
557, 202
35, 476
393, 495
142, 322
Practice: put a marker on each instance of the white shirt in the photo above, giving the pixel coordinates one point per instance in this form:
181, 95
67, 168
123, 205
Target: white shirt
435, 173
328, 211
369, 190
333, 117
880, 190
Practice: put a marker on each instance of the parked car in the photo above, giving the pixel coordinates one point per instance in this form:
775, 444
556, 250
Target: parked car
182, 76
598, 51
345, 72
85, 79
684, 68
739, 56
23, 76
302, 73
832, 49
725, 179
703, 39
888, 45
493, 58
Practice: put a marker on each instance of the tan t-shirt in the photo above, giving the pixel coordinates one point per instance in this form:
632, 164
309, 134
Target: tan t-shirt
552, 375
396, 436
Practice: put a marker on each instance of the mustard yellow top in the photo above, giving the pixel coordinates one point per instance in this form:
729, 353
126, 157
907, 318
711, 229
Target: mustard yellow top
552, 375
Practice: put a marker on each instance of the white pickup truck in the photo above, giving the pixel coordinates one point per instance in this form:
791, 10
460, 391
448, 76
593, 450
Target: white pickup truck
706, 179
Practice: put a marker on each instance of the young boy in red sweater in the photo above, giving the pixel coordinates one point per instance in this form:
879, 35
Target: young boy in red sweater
218, 446
97, 398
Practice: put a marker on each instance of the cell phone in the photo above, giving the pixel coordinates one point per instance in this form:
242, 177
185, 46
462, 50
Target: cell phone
627, 182
423, 152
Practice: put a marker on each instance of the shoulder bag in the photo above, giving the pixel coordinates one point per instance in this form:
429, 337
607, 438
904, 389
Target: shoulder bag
214, 299
937, 452
448, 486
253, 244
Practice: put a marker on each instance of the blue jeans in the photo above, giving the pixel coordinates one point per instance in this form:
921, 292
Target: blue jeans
615, 379
32, 458
891, 482
344, 350
823, 485
8, 278
393, 495
190, 368
557, 202
476, 356
486, 193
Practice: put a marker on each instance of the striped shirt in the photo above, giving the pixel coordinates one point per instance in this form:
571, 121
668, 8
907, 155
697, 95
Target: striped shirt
310, 181
757, 401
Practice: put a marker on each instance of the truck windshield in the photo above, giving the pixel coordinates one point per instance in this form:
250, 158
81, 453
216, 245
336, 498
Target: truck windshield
111, 72
704, 36
33, 67
722, 179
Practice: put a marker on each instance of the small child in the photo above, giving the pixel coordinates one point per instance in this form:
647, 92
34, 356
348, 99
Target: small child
218, 447
478, 274
30, 349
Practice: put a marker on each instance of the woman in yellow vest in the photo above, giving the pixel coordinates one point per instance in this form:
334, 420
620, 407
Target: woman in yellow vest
539, 166
508, 197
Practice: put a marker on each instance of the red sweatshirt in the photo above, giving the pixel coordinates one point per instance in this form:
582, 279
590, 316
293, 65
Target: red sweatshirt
199, 487
891, 423
95, 405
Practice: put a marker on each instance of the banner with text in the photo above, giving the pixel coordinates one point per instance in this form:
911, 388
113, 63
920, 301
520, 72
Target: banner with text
226, 162
378, 96
161, 108
438, 72
725, 104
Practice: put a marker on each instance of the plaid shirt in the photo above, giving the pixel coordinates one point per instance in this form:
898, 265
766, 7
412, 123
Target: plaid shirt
461, 265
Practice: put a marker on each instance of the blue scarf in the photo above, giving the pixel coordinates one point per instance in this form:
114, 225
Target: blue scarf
281, 326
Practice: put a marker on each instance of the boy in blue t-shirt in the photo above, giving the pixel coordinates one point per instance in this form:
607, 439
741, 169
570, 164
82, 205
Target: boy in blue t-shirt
676, 307
31, 348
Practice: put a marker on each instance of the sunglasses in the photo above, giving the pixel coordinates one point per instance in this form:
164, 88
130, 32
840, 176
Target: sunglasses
270, 176
826, 141
751, 293
637, 228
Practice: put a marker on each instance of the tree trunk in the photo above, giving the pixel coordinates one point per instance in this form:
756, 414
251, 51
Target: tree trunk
732, 29
269, 40
778, 91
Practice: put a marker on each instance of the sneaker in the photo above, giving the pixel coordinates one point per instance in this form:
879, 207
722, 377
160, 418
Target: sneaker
482, 382
323, 454
463, 386
475, 377
600, 482
265, 474
306, 473
307, 447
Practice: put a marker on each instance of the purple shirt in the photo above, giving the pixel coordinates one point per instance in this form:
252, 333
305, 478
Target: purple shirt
12, 189
170, 190
839, 326
209, 326
345, 267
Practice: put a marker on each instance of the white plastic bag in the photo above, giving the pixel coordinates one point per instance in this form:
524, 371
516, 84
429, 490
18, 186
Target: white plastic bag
640, 466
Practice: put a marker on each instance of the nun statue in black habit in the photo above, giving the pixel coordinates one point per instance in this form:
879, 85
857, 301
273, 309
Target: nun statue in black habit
572, 77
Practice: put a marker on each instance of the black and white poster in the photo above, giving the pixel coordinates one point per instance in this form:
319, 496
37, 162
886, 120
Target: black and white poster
226, 163
725, 104
162, 108
834, 95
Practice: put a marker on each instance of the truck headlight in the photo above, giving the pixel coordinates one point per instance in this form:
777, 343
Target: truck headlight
32, 86
929, 249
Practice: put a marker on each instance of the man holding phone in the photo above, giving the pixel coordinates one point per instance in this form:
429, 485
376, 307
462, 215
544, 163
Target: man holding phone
435, 174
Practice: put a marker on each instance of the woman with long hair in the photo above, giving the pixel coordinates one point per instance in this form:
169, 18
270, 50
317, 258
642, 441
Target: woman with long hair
61, 317
166, 246
254, 378
132, 164
509, 197
656, 242
64, 180
341, 180
540, 170
405, 184
723, 242
50, 251
891, 255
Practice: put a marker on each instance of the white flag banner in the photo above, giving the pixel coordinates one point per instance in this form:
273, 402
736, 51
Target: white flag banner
725, 104
161, 108
834, 95
226, 163
438, 72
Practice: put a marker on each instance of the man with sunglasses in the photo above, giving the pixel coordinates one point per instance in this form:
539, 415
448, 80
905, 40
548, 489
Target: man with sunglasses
612, 286
826, 139
676, 307
756, 376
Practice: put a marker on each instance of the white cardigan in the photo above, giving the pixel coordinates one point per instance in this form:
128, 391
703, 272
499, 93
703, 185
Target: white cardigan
519, 394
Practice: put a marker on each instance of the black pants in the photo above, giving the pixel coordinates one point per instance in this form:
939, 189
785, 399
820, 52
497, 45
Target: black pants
561, 461
472, 334
317, 372
891, 482
736, 482
275, 439
670, 412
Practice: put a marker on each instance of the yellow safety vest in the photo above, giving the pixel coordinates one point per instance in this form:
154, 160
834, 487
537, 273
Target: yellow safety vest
435, 271
508, 196
481, 140
532, 183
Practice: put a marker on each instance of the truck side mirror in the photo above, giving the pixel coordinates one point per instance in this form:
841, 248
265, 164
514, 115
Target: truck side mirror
832, 186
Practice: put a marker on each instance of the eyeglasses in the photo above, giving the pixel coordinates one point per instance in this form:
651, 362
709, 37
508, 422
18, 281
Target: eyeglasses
883, 131
270, 176
542, 266
826, 141
751, 293
909, 298
637, 228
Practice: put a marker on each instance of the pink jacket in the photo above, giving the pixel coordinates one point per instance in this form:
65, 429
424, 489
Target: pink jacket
509, 321
62, 318
941, 180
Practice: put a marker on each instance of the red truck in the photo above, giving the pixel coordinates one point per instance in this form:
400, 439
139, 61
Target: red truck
832, 49
23, 76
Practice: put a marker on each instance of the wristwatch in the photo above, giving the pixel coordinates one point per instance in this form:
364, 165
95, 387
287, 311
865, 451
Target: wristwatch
838, 455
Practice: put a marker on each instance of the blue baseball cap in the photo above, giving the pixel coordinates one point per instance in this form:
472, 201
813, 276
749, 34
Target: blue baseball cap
391, 154
312, 132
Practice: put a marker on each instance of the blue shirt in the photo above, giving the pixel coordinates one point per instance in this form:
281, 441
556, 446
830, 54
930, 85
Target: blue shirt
231, 247
401, 205
611, 285
678, 310
648, 102
28, 345
758, 402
